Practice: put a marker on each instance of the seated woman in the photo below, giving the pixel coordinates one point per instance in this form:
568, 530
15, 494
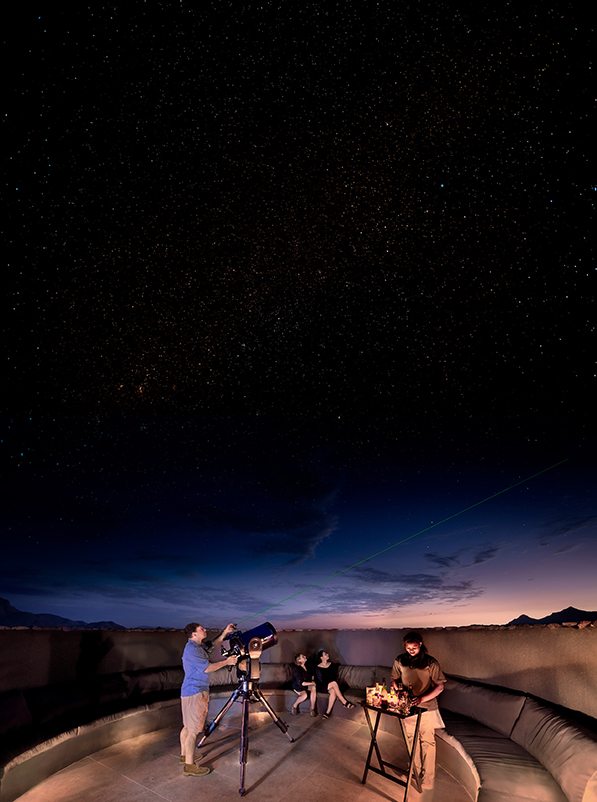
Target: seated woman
326, 678
303, 685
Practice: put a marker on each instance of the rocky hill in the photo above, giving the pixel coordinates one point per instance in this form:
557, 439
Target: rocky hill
11, 617
568, 616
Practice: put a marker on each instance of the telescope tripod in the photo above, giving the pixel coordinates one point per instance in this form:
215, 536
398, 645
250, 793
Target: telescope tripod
247, 691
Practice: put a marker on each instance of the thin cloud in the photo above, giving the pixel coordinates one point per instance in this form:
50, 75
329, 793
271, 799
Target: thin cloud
557, 532
367, 601
569, 547
443, 562
459, 559
298, 544
569, 525
486, 554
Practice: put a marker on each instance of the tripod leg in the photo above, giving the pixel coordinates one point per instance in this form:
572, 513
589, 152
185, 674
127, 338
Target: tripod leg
244, 743
277, 721
220, 716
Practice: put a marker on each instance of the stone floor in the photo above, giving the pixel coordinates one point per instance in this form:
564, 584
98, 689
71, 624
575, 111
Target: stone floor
325, 762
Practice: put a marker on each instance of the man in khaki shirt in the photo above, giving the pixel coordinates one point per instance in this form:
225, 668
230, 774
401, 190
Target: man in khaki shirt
419, 670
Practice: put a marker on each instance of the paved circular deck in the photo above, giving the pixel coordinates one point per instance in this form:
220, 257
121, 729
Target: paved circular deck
325, 762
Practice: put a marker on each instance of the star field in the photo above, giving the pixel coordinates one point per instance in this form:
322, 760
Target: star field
312, 208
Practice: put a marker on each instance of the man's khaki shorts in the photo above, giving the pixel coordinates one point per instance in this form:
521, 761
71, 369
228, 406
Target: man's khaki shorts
194, 711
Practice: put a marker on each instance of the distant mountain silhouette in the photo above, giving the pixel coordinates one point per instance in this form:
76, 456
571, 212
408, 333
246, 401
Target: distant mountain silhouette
567, 616
11, 617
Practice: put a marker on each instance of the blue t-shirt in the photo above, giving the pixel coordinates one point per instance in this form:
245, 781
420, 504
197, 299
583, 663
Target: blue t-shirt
195, 659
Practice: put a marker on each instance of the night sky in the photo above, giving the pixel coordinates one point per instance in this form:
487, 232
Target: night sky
288, 283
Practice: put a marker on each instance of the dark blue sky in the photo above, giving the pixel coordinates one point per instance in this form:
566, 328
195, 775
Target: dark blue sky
157, 521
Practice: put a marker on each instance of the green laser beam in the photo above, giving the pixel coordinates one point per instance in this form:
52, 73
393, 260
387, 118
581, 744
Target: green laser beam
405, 540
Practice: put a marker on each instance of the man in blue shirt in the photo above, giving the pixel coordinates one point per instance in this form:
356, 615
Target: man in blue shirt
195, 691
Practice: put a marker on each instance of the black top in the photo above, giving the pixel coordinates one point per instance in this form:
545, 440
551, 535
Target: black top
323, 676
299, 676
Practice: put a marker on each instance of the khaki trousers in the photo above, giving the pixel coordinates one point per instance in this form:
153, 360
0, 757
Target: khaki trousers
424, 755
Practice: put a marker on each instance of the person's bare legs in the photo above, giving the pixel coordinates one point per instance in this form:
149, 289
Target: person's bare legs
332, 698
188, 744
301, 698
194, 714
333, 686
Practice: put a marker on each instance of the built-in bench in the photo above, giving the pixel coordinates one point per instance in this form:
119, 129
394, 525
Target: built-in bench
44, 729
505, 746
502, 746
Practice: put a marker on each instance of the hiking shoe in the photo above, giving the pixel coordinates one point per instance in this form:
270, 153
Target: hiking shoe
194, 771
182, 759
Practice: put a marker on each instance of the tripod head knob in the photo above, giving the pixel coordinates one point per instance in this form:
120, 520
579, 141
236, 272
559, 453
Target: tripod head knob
255, 648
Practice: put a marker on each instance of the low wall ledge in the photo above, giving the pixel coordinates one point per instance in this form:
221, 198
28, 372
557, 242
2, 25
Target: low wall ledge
468, 628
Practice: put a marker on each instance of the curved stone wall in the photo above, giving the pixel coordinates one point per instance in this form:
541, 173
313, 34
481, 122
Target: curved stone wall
556, 663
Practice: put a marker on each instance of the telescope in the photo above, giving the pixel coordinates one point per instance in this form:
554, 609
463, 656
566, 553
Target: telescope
248, 647
252, 642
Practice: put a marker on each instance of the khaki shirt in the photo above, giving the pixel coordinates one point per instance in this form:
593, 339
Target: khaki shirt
421, 679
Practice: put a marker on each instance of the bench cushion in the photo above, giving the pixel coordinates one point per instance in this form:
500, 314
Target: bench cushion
567, 749
279, 674
454, 758
508, 768
152, 681
14, 713
496, 709
360, 677
491, 795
